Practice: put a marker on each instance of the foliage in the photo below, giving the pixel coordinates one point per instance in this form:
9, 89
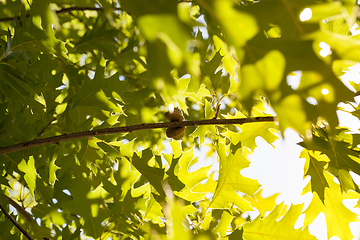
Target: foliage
71, 66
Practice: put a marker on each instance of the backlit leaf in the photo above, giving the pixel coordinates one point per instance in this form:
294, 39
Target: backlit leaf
231, 183
336, 214
272, 228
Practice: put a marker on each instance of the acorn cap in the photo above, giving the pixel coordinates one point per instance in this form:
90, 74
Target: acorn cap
175, 116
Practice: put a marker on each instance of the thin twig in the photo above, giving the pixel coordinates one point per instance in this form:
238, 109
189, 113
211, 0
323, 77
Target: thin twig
47, 125
128, 129
217, 110
26, 234
293, 16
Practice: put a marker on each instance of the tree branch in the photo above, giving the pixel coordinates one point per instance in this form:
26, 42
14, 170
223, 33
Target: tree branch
128, 129
64, 10
19, 208
83, 9
26, 234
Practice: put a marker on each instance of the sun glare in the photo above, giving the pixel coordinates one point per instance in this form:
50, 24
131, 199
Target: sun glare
305, 15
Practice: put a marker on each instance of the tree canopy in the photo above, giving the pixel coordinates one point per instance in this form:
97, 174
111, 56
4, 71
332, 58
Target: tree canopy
84, 88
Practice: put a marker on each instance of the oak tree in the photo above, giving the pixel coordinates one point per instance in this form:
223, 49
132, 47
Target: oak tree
84, 134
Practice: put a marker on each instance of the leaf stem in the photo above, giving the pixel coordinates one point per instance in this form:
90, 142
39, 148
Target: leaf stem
128, 129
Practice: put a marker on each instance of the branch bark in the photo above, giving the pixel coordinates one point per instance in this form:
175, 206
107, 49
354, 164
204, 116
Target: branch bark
8, 216
128, 129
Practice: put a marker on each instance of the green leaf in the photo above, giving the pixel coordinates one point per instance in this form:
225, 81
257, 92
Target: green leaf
211, 66
263, 205
336, 214
318, 180
224, 223
238, 25
153, 175
237, 234
342, 159
248, 132
272, 228
202, 131
194, 190
231, 182
299, 54
101, 37
86, 204
174, 181
267, 73
90, 153
30, 173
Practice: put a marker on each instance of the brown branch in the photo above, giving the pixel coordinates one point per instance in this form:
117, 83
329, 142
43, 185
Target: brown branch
83, 9
64, 10
20, 209
293, 16
26, 234
128, 129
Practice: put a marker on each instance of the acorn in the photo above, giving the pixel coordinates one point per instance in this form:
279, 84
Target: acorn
176, 133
